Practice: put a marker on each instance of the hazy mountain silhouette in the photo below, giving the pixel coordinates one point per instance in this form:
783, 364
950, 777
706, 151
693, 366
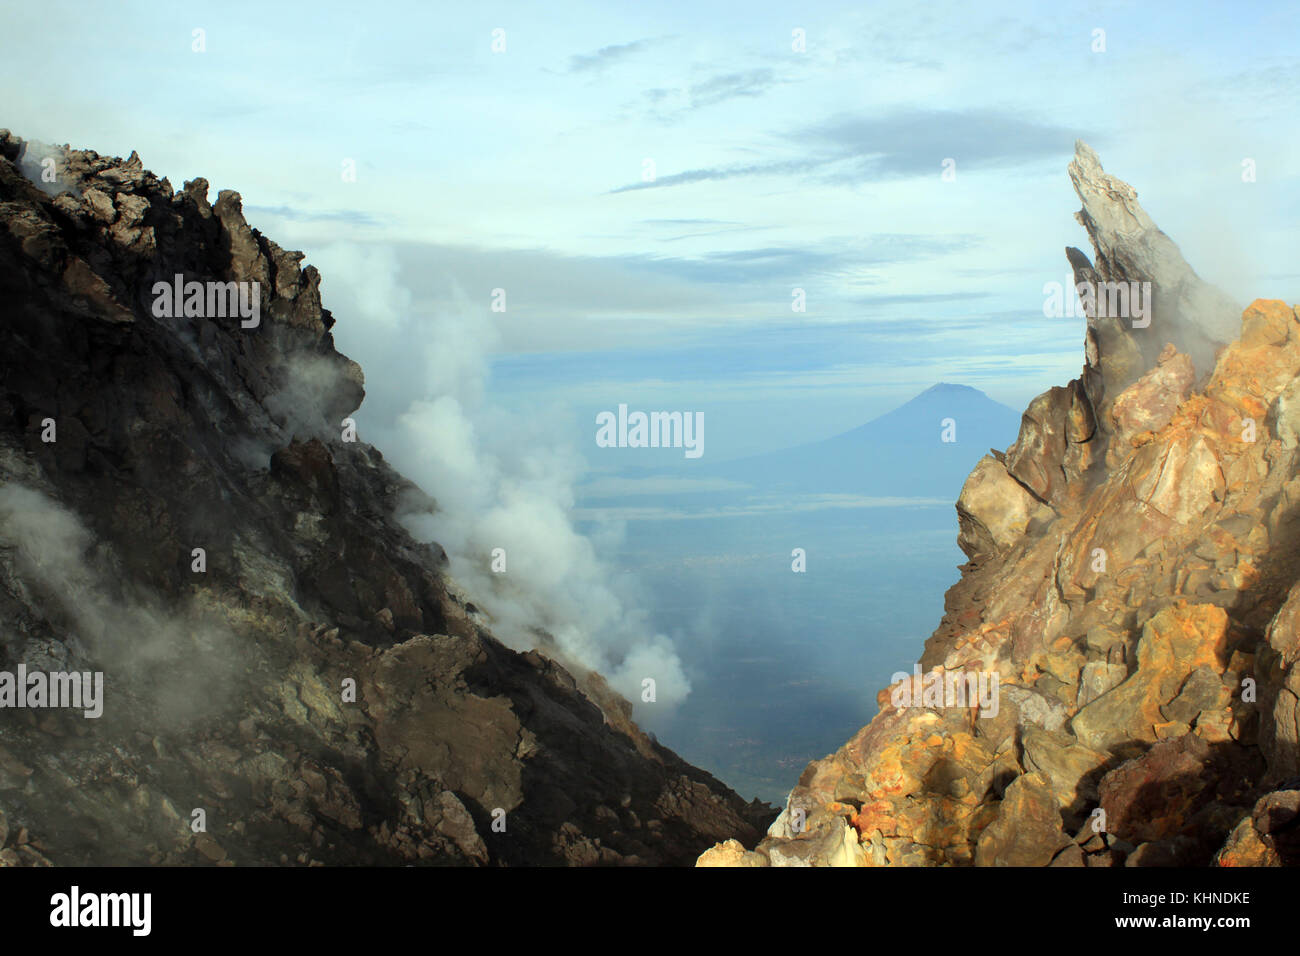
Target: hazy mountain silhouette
900, 453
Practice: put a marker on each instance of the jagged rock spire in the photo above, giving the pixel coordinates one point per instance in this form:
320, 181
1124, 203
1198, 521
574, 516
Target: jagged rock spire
1142, 297
1128, 247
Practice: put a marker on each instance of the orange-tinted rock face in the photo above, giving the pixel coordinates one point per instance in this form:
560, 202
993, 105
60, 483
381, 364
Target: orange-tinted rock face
1136, 589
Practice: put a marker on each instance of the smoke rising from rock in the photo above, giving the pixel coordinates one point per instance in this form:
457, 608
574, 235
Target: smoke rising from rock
501, 480
174, 662
32, 163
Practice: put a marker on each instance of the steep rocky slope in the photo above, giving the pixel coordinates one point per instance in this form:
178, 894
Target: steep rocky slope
1133, 587
127, 441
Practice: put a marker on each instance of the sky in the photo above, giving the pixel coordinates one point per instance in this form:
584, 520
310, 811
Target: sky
509, 146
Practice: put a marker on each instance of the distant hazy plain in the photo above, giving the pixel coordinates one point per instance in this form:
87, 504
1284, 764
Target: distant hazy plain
785, 666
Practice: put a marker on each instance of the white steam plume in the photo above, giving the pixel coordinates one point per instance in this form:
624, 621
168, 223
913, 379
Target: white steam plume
179, 662
501, 480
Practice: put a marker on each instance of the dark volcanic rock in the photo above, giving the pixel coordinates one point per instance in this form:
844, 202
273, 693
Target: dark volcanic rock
280, 657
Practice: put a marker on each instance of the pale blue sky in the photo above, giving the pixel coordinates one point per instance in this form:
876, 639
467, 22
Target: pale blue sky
523, 169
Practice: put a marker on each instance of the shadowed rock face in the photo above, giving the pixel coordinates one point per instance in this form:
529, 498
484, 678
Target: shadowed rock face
228, 675
1134, 584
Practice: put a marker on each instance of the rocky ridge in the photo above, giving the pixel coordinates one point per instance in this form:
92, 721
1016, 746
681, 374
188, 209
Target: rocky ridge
1134, 584
179, 510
